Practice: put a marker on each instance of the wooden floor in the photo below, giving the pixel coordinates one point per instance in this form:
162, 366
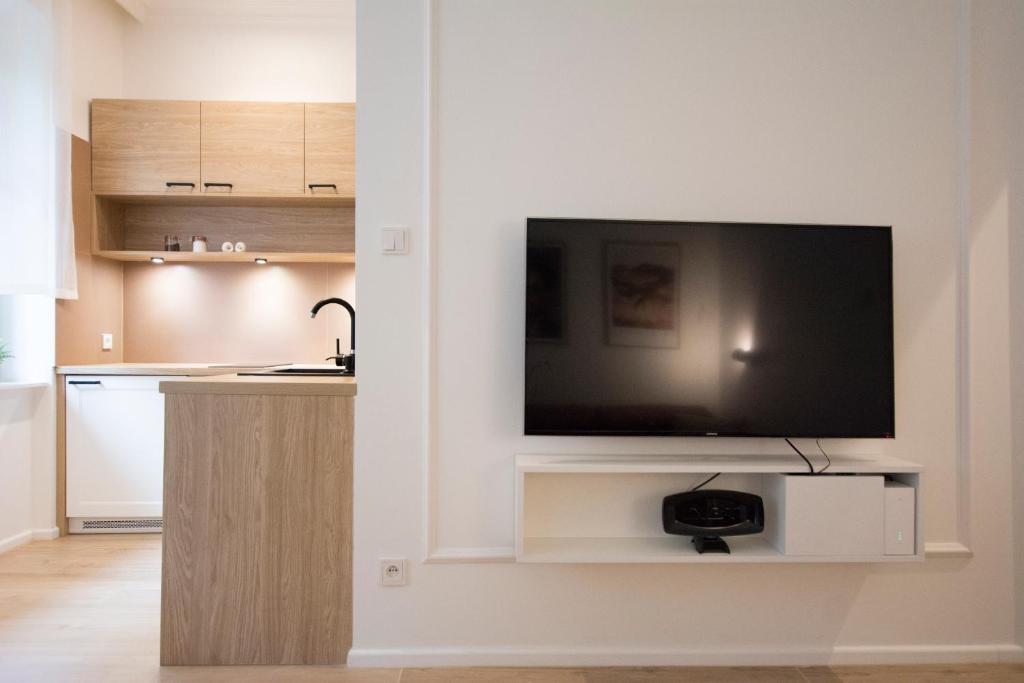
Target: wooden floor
85, 609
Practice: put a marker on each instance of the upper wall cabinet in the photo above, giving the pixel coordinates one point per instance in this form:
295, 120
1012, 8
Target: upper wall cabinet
252, 147
144, 145
227, 170
331, 149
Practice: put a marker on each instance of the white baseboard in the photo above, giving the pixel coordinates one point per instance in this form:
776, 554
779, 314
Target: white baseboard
839, 655
23, 537
12, 542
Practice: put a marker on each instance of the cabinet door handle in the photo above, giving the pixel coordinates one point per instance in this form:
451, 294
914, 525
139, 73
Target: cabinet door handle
171, 183
208, 185
314, 185
84, 381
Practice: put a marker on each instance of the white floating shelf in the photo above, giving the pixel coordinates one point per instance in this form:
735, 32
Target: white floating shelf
669, 549
698, 464
606, 508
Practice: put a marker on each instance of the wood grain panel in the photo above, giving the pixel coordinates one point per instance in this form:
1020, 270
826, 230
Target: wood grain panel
62, 459
140, 145
283, 228
339, 257
255, 146
257, 530
228, 199
331, 147
263, 386
79, 322
108, 225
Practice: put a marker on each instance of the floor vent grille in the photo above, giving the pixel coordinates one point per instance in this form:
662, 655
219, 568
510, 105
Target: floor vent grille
123, 524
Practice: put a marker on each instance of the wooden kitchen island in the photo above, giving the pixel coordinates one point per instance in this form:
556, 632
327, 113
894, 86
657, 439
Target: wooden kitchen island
257, 543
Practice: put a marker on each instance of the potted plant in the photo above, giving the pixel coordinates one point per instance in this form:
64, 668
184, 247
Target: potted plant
4, 353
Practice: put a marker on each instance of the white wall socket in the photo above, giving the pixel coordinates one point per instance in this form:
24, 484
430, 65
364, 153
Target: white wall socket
392, 571
108, 341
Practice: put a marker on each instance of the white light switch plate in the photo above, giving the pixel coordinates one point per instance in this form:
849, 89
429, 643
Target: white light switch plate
394, 240
108, 341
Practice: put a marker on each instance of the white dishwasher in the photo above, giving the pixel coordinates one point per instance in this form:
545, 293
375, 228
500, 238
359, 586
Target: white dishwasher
115, 453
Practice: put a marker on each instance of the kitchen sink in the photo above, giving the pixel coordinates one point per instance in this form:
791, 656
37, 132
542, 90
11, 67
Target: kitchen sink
302, 371
310, 371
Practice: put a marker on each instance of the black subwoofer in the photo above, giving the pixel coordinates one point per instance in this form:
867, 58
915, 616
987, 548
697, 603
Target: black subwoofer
707, 515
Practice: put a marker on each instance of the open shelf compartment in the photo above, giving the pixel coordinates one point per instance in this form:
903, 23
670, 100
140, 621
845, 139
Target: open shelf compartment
280, 228
607, 509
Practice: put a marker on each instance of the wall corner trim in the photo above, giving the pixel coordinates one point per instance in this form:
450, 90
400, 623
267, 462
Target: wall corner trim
948, 549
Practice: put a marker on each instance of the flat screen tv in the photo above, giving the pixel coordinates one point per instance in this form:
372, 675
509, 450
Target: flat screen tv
656, 328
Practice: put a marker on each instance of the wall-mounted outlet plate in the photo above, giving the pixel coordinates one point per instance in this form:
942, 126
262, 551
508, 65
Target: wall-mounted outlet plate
392, 571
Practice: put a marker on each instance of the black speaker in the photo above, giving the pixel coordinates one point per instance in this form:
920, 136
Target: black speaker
707, 515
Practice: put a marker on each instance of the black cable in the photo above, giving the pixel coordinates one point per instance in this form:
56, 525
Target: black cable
809, 465
706, 481
818, 441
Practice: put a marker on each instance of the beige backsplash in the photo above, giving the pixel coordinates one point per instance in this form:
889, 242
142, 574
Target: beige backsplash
234, 312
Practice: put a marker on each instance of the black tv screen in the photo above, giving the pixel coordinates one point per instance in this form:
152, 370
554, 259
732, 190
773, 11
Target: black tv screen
648, 328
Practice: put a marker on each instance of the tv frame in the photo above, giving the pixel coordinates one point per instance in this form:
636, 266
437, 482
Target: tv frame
797, 226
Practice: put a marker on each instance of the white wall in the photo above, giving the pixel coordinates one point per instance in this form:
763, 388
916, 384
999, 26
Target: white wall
997, 158
27, 464
265, 51
17, 411
97, 45
27, 426
230, 50
789, 111
27, 415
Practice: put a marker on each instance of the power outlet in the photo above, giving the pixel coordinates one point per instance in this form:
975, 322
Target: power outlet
392, 571
107, 340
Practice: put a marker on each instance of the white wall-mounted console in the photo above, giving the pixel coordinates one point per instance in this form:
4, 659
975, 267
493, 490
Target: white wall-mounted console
581, 509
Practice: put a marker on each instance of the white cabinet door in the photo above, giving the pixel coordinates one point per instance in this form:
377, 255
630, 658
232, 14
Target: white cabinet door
115, 446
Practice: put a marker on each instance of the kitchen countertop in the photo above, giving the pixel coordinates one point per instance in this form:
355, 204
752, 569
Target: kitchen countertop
193, 369
262, 385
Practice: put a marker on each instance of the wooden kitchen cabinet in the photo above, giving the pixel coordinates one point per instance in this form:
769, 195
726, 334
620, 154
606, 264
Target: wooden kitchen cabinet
252, 147
257, 521
142, 145
245, 167
331, 148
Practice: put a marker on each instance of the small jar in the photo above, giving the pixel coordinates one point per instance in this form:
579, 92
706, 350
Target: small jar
171, 243
198, 244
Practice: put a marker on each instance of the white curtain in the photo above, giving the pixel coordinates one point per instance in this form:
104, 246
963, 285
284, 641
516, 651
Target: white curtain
37, 253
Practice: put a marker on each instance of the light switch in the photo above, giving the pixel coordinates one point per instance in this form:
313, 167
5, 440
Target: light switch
108, 341
394, 241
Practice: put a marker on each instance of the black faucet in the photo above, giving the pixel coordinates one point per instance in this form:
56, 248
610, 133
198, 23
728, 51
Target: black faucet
342, 360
